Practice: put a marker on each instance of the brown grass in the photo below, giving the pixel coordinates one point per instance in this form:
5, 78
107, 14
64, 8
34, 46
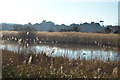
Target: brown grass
82, 38
69, 37
16, 66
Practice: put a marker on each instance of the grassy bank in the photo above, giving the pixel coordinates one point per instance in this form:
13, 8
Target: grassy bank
22, 65
65, 37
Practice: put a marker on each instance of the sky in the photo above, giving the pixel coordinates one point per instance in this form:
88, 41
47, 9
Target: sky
59, 11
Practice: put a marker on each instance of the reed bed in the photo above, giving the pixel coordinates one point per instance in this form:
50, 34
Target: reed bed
40, 65
34, 65
81, 38
65, 37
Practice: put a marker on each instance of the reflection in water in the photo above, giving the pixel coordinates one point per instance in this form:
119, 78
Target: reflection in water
82, 51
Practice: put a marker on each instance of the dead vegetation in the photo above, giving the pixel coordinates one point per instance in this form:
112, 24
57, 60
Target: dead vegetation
42, 66
65, 37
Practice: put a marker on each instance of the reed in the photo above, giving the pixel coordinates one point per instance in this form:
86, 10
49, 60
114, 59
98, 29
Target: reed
81, 38
66, 37
42, 66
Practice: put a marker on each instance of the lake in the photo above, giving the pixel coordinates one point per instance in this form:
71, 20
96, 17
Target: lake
71, 51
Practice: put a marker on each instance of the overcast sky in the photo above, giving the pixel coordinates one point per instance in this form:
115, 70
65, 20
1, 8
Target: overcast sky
59, 11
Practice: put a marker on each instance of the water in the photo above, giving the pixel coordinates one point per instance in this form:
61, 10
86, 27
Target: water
72, 51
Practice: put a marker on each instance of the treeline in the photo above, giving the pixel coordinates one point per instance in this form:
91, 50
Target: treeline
49, 26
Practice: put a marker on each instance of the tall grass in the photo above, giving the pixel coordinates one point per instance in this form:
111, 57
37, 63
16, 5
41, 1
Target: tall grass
67, 37
82, 38
41, 66
32, 65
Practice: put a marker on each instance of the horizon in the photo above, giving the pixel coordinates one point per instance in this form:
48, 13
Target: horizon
60, 12
58, 24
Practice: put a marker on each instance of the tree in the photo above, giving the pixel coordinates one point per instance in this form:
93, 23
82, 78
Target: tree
107, 30
101, 22
74, 27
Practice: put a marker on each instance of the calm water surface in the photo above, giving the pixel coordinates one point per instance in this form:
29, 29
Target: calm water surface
72, 51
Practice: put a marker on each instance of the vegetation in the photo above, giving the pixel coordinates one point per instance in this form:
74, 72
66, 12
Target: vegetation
81, 38
42, 65
34, 65
64, 37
